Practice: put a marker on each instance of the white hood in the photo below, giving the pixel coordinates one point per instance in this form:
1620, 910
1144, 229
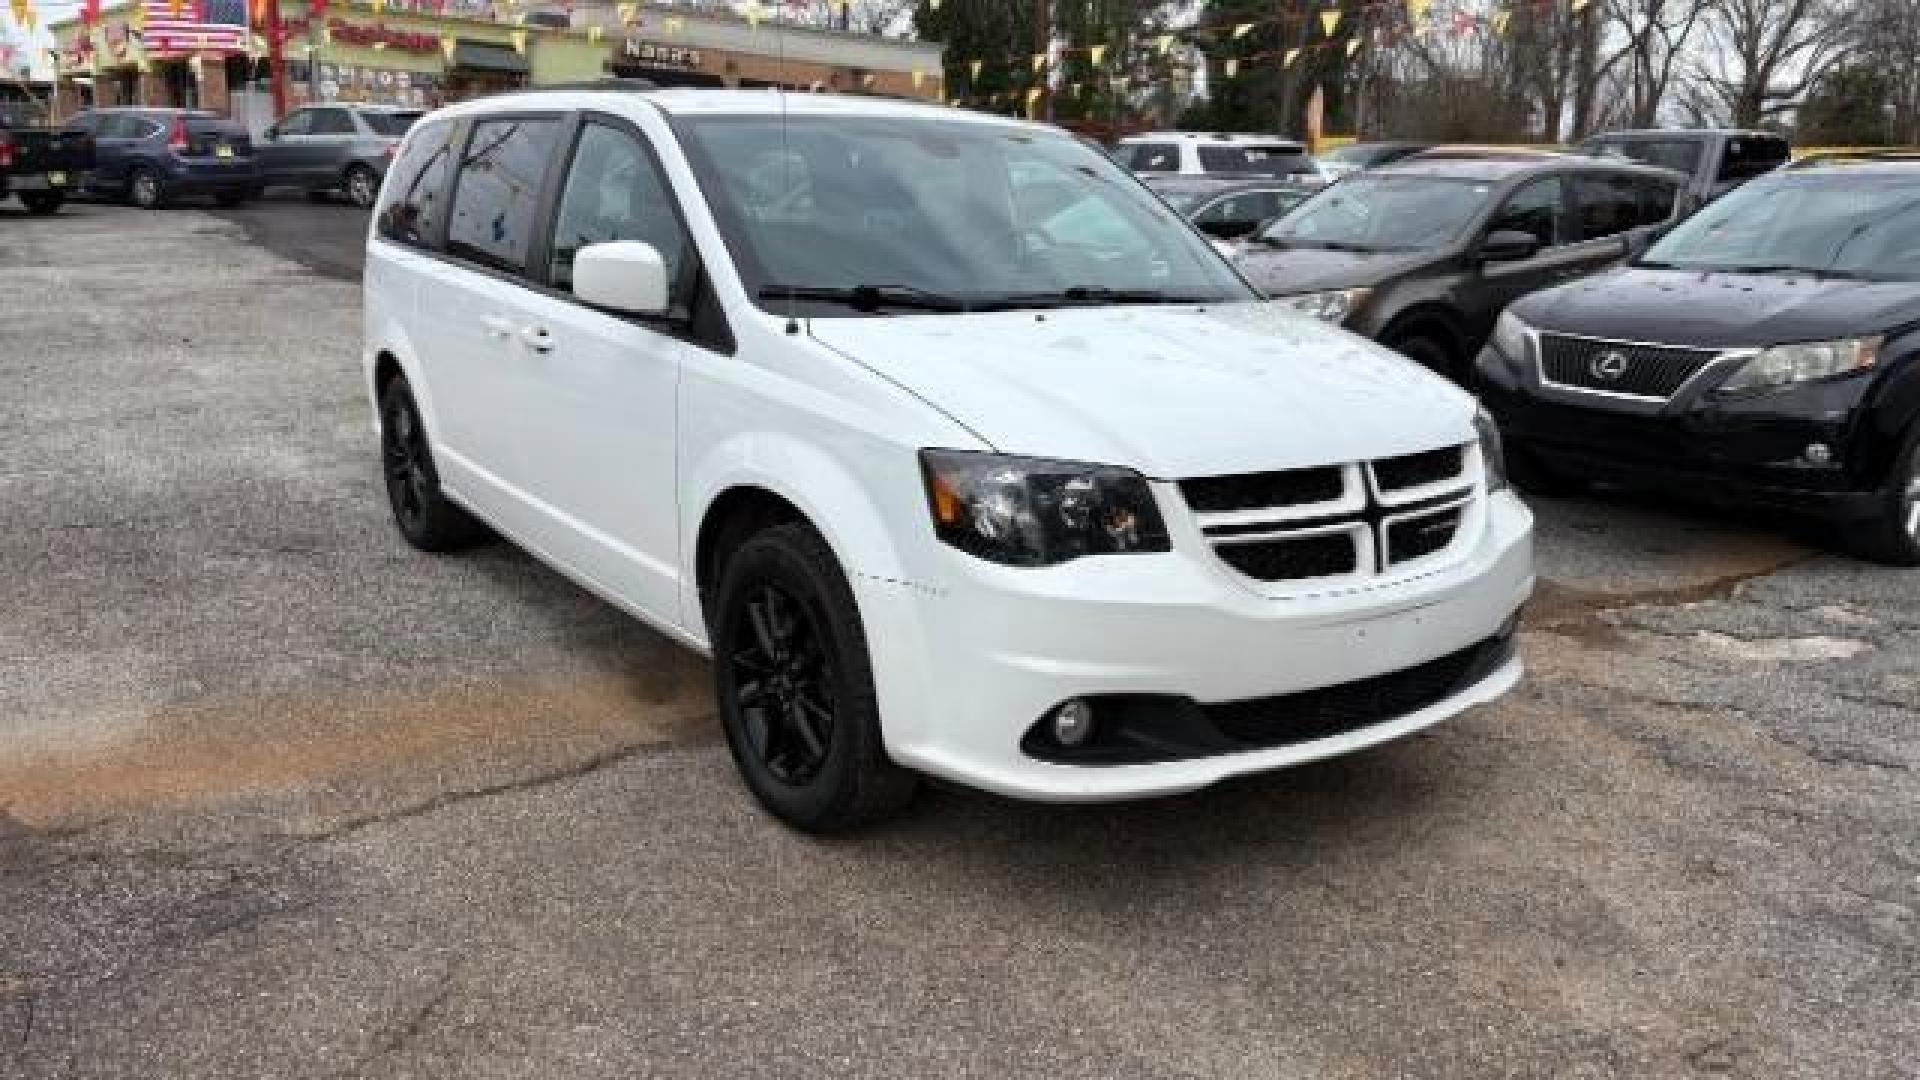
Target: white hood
1171, 391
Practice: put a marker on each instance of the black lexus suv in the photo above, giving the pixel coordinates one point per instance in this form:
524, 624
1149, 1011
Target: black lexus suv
1766, 352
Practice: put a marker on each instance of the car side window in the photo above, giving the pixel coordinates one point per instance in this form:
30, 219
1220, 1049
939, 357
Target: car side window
1608, 205
1657, 199
1538, 208
615, 191
120, 126
411, 201
498, 190
1750, 156
1153, 157
298, 123
332, 122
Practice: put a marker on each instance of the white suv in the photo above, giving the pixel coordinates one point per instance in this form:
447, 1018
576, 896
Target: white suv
955, 449
1190, 153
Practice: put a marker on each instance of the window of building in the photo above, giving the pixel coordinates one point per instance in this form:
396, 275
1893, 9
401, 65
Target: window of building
498, 190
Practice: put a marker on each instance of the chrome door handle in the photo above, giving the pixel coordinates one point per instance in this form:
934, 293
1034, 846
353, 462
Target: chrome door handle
496, 327
536, 338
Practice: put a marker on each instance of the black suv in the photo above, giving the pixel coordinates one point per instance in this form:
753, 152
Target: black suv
1767, 351
1423, 255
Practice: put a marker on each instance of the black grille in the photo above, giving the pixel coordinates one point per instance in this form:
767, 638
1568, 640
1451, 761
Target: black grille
1649, 371
1254, 491
1414, 537
1333, 710
1293, 557
1414, 470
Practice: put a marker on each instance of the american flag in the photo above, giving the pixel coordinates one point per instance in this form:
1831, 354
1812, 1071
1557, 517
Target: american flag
201, 25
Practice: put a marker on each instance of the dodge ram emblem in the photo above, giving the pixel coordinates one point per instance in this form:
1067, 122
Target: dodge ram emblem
1609, 365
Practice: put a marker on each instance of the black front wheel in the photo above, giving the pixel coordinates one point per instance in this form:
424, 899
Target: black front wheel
146, 190
362, 186
795, 685
1893, 537
425, 518
42, 203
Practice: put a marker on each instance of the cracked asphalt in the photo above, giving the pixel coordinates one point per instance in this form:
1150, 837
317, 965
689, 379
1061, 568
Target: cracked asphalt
280, 797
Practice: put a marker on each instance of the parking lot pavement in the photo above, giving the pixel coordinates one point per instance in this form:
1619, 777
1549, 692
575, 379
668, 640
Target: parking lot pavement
282, 797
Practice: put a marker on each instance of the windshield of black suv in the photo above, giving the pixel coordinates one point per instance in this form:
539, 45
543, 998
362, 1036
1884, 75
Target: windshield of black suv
858, 215
391, 124
1384, 212
1842, 224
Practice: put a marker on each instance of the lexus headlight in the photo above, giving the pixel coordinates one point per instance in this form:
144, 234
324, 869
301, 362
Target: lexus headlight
1035, 512
1784, 364
1512, 337
1333, 305
1492, 453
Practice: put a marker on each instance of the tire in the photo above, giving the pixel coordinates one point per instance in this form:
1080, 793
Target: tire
42, 203
146, 190
794, 684
424, 516
1427, 351
320, 196
362, 187
1893, 535
1537, 478
229, 198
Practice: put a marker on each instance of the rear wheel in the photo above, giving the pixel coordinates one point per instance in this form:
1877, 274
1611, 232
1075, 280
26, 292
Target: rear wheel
362, 186
795, 685
425, 518
145, 189
1893, 536
42, 202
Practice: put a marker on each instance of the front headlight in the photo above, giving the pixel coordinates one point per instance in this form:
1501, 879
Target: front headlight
1492, 452
1805, 362
1035, 512
1512, 337
1334, 305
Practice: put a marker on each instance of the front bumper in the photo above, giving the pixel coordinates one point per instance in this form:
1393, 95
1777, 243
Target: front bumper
55, 180
964, 673
1750, 450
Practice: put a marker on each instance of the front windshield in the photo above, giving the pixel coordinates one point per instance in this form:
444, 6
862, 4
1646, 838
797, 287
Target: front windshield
1840, 224
1384, 212
958, 212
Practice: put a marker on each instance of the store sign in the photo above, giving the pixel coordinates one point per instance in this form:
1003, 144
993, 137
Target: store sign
658, 55
365, 36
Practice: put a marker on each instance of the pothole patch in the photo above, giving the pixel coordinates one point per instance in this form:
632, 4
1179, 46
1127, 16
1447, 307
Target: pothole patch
1779, 650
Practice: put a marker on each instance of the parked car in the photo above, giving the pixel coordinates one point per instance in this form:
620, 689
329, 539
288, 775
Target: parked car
1052, 506
154, 156
1766, 352
328, 148
1229, 209
1833, 158
40, 166
1193, 154
1423, 255
1360, 156
1715, 161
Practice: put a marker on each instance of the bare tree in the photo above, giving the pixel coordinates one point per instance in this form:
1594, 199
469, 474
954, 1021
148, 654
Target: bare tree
1763, 54
1656, 34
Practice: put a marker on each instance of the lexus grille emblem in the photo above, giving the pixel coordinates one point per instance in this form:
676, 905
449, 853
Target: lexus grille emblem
1609, 365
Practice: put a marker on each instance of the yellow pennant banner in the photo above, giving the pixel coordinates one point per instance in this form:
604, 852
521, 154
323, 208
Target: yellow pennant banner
1039, 61
1242, 30
1096, 54
753, 12
1233, 66
595, 33
1417, 11
974, 69
520, 42
1353, 46
1163, 43
447, 46
627, 12
918, 78
1292, 55
1499, 21
1330, 20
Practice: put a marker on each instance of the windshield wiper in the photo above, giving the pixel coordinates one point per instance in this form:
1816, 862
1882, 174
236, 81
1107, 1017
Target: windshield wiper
1083, 295
1784, 268
868, 297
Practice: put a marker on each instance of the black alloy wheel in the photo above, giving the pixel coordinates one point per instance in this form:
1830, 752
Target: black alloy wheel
1894, 536
145, 189
362, 186
425, 518
794, 683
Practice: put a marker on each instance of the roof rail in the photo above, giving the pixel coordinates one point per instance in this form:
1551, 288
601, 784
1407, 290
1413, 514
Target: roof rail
609, 84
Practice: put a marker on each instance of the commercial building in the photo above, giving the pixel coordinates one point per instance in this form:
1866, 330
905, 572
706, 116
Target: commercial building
424, 53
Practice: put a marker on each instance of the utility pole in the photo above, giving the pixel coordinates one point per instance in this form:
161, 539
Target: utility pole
276, 59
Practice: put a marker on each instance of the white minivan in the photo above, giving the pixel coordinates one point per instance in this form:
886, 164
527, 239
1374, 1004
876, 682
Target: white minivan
956, 450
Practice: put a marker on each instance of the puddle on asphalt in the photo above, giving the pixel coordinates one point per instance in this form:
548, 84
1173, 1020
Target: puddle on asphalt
214, 749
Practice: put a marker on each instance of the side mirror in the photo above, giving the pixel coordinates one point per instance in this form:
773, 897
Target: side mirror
1509, 245
624, 275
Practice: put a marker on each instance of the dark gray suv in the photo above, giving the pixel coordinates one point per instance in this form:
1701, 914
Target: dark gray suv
328, 148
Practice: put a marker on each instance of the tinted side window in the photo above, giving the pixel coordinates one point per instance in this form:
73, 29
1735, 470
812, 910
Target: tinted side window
332, 122
298, 123
1656, 201
1608, 205
1265, 160
1151, 157
122, 126
614, 191
411, 206
1749, 157
1536, 208
498, 188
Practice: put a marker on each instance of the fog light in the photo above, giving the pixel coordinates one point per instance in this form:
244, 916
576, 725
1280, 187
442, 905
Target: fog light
1818, 453
1073, 722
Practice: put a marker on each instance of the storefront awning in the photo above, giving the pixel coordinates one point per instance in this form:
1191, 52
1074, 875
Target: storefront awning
485, 56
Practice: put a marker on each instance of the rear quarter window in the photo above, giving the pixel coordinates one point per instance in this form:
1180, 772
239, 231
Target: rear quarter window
1265, 160
1752, 155
412, 204
1150, 157
498, 190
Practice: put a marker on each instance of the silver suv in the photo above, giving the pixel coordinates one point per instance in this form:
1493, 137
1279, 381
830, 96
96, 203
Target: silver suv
327, 148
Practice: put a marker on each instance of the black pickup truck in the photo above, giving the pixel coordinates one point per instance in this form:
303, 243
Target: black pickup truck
41, 165
1716, 160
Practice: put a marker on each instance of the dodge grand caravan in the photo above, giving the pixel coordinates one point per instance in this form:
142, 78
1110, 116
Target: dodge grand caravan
1025, 490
